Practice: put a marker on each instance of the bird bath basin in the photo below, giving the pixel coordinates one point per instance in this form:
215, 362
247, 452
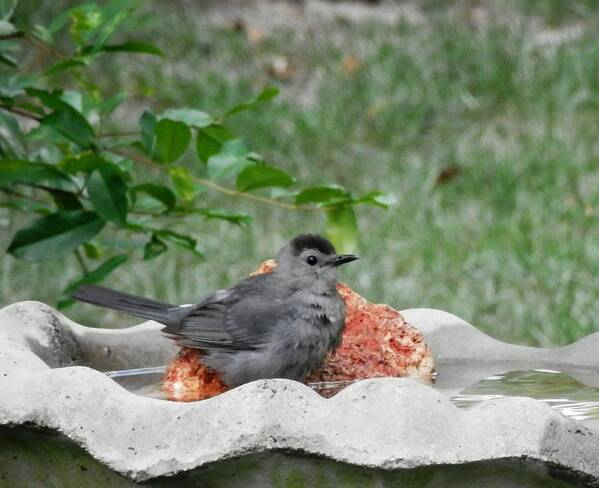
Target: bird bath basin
498, 415
560, 391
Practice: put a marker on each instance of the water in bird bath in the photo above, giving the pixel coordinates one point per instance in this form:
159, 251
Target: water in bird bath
147, 381
561, 391
142, 381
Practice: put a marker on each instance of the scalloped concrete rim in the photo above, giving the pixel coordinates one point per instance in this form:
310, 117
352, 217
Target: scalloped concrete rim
373, 423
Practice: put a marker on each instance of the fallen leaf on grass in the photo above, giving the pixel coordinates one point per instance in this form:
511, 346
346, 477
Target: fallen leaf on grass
447, 174
253, 34
280, 69
351, 64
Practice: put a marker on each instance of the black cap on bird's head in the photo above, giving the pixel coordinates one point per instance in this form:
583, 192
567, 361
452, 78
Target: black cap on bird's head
311, 241
308, 253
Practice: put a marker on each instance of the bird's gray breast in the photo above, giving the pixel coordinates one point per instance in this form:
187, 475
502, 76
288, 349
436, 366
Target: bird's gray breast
301, 346
322, 314
301, 338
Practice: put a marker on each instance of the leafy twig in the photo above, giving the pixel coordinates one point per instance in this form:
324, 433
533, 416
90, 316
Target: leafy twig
118, 134
81, 261
43, 46
14, 193
215, 186
148, 162
22, 112
12, 35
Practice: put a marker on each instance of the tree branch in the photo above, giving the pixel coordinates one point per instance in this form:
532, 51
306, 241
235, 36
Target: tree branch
12, 35
81, 261
42, 46
213, 185
118, 134
10, 191
22, 112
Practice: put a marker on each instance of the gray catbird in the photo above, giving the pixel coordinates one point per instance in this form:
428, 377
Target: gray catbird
275, 325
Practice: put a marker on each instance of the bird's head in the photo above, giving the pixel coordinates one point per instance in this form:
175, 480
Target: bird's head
311, 255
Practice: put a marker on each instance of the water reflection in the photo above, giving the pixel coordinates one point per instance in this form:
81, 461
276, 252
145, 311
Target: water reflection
559, 390
142, 381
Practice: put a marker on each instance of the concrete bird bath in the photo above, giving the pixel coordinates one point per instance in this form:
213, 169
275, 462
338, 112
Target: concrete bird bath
62, 419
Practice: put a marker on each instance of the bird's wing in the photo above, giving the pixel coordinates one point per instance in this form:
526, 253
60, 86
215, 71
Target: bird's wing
237, 318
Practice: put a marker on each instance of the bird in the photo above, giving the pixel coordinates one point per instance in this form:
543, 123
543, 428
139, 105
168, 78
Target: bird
276, 325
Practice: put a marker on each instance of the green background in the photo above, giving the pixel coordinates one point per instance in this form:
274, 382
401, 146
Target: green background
506, 92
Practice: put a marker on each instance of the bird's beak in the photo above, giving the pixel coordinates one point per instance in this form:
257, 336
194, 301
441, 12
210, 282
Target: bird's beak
341, 259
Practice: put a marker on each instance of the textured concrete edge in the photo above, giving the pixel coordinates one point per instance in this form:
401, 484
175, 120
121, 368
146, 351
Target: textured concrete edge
451, 338
144, 438
373, 423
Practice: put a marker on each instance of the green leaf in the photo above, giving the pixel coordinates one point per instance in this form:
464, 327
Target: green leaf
223, 166
49, 99
111, 15
36, 174
82, 20
42, 34
159, 192
210, 140
32, 107
63, 18
134, 47
26, 206
55, 235
74, 99
342, 228
378, 199
72, 126
147, 124
181, 240
108, 194
64, 65
172, 139
108, 105
240, 219
189, 116
65, 200
65, 119
7, 59
323, 195
12, 145
265, 95
94, 276
155, 247
14, 85
258, 176
92, 251
184, 185
230, 161
78, 163
7, 8
88, 162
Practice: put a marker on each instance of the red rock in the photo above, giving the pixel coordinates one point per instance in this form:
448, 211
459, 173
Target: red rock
188, 379
377, 341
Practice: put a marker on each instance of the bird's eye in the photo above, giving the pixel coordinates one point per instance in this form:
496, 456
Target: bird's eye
311, 260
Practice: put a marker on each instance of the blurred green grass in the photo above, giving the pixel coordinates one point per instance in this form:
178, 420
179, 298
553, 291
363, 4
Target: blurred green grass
510, 243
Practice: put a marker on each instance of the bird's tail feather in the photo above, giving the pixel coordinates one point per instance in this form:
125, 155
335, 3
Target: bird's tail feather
131, 304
